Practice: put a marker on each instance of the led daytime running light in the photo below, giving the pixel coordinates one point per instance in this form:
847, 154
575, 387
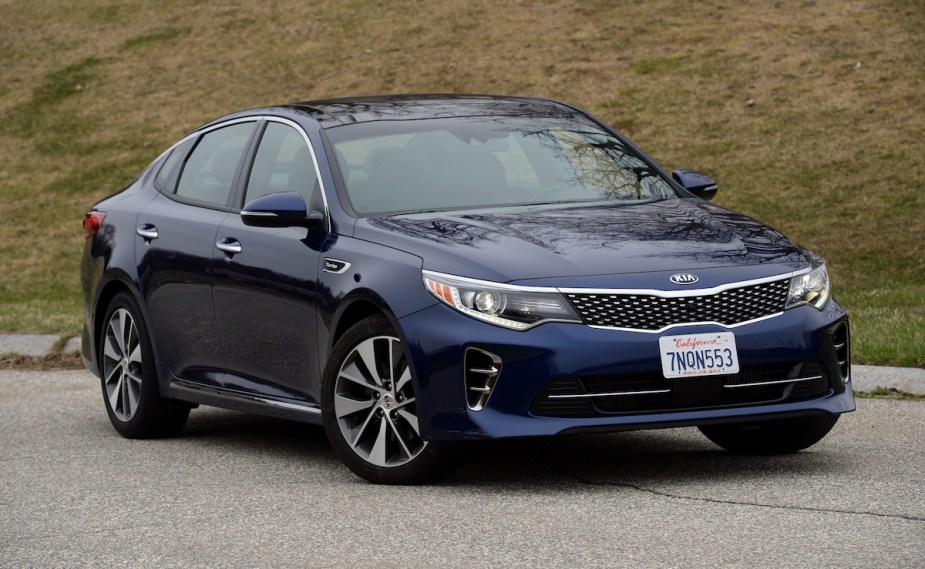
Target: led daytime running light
518, 308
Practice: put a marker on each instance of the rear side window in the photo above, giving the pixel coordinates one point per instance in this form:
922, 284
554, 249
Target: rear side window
209, 170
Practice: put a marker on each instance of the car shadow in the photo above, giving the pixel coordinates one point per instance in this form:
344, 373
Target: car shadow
267, 434
632, 459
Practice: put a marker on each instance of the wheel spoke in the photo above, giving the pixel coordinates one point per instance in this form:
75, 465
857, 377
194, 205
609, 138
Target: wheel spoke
112, 373
361, 382
115, 393
377, 454
116, 326
404, 378
124, 398
135, 356
405, 403
395, 353
132, 392
367, 353
129, 334
401, 441
109, 350
344, 406
411, 418
362, 429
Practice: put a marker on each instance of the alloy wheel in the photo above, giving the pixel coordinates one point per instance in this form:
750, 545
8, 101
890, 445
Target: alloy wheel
374, 403
122, 364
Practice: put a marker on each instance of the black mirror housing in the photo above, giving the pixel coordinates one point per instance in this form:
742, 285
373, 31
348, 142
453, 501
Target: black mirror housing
701, 185
281, 209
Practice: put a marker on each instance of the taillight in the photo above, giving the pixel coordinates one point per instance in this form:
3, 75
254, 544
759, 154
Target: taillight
92, 222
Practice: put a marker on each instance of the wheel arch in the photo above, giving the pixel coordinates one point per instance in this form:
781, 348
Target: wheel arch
359, 305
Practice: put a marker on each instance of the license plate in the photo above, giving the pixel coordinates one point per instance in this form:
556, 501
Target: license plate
699, 354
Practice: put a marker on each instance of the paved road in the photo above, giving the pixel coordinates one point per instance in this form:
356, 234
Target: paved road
237, 490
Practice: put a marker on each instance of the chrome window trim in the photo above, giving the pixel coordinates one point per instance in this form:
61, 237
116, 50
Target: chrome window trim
311, 151
255, 119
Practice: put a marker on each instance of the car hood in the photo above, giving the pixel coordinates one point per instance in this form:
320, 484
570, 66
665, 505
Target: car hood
570, 245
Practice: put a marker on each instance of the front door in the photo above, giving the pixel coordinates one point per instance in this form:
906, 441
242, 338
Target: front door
265, 280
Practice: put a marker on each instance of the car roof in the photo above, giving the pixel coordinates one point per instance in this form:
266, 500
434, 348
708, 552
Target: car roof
337, 112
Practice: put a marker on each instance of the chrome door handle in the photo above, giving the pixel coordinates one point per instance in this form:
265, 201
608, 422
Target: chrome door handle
228, 245
147, 231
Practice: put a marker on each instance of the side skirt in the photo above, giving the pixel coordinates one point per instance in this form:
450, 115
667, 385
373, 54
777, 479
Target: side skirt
248, 403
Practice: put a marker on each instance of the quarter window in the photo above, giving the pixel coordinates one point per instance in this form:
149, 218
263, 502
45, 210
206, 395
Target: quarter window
209, 170
167, 171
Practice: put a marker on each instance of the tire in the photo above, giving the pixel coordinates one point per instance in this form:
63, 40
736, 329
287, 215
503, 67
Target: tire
129, 378
771, 437
369, 409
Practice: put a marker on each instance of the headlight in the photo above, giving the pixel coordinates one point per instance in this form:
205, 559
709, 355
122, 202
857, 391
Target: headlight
810, 288
510, 306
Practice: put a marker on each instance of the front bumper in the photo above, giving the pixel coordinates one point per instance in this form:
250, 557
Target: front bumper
534, 360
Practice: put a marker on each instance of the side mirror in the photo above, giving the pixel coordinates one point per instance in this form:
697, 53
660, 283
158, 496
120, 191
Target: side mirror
701, 185
281, 209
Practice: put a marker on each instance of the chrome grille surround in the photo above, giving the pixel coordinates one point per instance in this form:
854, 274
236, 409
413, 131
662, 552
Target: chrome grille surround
654, 311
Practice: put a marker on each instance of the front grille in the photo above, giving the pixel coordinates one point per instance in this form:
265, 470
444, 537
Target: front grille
597, 396
649, 312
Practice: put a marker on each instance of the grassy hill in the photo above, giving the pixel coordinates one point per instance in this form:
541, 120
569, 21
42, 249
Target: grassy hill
810, 114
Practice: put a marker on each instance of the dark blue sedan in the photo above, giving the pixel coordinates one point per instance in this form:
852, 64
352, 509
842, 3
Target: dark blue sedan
414, 272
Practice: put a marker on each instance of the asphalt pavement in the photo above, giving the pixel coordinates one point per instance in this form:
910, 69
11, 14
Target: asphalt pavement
236, 490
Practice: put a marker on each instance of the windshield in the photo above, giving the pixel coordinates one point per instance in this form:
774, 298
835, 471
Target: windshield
476, 162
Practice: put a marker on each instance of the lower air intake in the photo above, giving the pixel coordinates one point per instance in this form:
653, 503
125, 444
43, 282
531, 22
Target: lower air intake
841, 342
482, 372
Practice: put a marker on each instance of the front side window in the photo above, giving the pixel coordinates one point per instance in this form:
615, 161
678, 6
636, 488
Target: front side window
476, 162
209, 171
283, 164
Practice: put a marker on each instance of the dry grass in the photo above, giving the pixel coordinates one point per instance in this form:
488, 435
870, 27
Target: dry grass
52, 361
810, 114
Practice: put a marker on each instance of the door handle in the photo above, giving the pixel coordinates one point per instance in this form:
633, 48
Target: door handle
228, 245
147, 231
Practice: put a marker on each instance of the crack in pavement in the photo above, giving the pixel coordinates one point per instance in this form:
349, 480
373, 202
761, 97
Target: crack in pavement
737, 503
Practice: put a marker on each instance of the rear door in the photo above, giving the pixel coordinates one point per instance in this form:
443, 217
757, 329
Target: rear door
266, 291
175, 239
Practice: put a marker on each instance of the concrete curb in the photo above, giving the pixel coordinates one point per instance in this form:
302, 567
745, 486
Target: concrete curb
27, 345
864, 378
906, 379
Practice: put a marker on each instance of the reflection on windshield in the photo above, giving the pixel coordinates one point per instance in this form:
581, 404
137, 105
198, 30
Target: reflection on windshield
466, 163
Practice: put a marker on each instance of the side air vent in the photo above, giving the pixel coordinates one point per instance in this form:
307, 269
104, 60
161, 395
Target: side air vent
482, 372
841, 342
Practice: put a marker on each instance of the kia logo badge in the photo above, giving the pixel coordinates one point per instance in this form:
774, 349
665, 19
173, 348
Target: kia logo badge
684, 279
